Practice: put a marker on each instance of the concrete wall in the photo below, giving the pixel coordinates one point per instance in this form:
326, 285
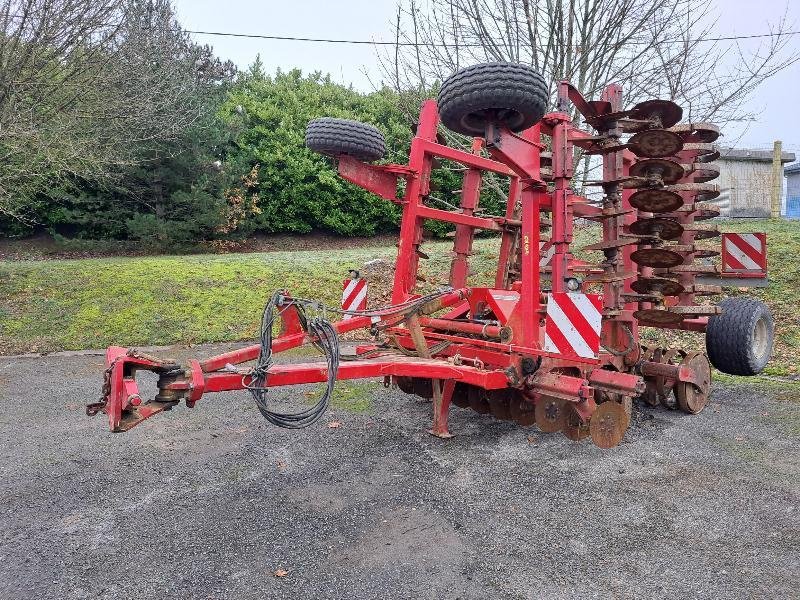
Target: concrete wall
744, 188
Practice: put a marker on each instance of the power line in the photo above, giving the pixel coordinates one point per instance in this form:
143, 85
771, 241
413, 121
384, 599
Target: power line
287, 38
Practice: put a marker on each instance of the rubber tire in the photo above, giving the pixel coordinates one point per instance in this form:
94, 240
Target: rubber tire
515, 89
334, 137
730, 336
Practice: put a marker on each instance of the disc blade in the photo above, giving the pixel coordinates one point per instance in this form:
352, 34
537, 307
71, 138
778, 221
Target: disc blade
660, 285
657, 317
666, 229
608, 424
668, 171
692, 398
550, 414
665, 112
656, 201
657, 257
522, 411
655, 143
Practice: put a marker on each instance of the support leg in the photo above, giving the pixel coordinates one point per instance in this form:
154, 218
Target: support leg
441, 407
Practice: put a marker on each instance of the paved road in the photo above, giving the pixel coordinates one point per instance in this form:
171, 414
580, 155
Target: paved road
210, 502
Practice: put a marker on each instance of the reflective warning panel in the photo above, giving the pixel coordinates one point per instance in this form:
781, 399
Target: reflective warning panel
354, 295
744, 254
572, 325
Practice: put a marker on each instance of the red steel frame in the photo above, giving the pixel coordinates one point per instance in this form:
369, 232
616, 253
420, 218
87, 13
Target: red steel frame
492, 357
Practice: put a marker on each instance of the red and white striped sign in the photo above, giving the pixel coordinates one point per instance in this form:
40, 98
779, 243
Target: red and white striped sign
744, 253
354, 295
572, 325
546, 252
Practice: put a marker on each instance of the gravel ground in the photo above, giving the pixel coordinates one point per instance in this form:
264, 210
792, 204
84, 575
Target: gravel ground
211, 502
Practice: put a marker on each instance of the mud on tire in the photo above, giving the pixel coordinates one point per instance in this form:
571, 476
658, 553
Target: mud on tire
334, 137
510, 94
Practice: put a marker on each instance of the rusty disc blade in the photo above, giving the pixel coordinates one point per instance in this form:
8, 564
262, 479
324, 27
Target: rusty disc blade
699, 310
657, 317
703, 152
666, 229
574, 428
522, 410
692, 398
668, 171
666, 112
704, 172
660, 258
499, 404
703, 232
659, 285
550, 414
703, 253
703, 133
700, 191
477, 400
655, 143
656, 201
608, 424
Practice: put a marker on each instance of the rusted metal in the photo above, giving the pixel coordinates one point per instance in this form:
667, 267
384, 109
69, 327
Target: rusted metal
661, 285
656, 200
655, 143
658, 170
550, 414
661, 258
608, 425
692, 396
666, 229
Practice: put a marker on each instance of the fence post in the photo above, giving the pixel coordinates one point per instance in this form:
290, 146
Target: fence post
777, 180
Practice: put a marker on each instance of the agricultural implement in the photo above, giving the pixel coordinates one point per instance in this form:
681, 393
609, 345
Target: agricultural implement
554, 340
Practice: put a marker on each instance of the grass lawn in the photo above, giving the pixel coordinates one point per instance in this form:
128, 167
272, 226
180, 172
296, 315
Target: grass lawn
76, 304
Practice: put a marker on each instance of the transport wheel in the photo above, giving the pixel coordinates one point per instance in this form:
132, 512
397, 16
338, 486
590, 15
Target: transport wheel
550, 414
608, 424
739, 341
334, 137
691, 398
574, 428
508, 94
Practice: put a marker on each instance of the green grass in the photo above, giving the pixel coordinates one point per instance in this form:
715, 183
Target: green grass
77, 304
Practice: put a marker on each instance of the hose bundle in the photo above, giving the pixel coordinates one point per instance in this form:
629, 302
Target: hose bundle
325, 339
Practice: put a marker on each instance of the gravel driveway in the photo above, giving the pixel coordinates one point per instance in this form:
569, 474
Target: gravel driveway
212, 502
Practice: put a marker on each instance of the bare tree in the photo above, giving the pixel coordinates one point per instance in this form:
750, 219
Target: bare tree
90, 86
656, 48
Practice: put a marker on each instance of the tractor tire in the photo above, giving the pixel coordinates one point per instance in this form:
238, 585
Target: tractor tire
508, 94
739, 341
334, 137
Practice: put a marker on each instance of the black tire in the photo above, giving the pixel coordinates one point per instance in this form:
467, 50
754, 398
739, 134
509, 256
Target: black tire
739, 341
334, 137
509, 94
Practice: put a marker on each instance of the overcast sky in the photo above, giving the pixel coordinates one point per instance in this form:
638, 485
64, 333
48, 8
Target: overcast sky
777, 102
